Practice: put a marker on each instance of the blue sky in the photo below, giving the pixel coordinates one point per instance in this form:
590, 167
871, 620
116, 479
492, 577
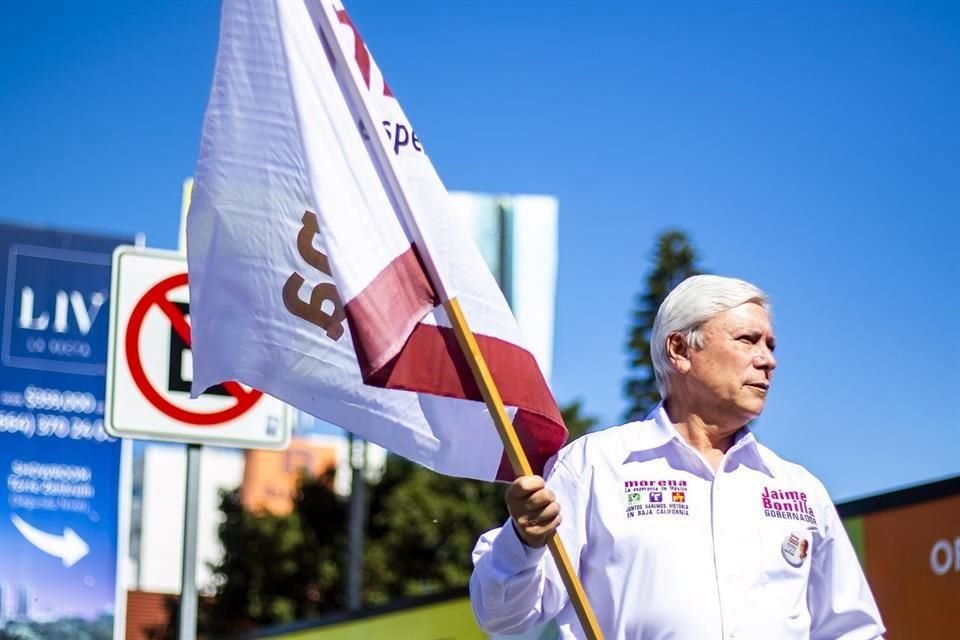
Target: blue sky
812, 148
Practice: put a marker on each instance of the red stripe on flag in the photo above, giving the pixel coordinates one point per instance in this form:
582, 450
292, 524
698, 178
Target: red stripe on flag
540, 436
388, 309
430, 361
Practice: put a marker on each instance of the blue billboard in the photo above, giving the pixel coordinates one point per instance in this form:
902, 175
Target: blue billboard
61, 525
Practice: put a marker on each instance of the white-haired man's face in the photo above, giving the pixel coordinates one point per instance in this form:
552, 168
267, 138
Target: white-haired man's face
729, 376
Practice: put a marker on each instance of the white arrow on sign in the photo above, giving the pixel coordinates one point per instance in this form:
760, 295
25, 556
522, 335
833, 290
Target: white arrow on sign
69, 547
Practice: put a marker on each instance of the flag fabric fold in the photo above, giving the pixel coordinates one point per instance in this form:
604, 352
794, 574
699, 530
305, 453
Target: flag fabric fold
321, 245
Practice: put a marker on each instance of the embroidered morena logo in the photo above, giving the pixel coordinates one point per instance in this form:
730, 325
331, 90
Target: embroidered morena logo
787, 505
631, 486
648, 497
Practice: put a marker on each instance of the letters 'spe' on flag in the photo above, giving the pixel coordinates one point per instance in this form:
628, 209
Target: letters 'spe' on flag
306, 279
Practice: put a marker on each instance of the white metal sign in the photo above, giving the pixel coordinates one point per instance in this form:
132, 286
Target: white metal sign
149, 365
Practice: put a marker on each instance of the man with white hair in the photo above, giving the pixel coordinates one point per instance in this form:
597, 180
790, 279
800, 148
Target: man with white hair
683, 525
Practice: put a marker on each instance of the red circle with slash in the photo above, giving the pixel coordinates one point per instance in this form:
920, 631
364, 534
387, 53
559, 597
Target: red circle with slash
157, 296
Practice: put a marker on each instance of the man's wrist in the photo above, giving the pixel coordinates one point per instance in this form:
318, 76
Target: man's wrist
511, 551
520, 537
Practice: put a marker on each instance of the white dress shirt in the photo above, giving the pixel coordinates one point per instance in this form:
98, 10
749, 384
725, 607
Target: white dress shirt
666, 548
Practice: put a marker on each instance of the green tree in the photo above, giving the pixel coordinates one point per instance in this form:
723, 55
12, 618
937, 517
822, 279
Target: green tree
674, 260
275, 568
423, 527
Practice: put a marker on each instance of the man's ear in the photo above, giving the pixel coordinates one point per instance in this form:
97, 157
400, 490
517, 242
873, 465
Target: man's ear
678, 352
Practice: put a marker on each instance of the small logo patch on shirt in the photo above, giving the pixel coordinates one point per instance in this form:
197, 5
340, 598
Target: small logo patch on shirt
646, 497
787, 504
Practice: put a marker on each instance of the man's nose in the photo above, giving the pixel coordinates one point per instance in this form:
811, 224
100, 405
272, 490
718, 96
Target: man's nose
765, 360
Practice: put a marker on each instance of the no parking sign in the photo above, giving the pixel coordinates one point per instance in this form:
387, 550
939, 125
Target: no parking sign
149, 365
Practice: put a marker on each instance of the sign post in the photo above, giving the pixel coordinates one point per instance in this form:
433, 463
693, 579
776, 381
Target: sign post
64, 495
188, 591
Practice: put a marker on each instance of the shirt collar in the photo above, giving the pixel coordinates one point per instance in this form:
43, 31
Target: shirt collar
747, 450
654, 431
657, 430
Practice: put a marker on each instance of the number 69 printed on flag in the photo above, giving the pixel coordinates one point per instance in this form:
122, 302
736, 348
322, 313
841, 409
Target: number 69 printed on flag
325, 292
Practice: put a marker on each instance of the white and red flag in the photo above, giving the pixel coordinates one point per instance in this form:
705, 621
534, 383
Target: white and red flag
321, 245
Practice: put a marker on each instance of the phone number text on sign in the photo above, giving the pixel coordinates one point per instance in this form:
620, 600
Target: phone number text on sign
53, 426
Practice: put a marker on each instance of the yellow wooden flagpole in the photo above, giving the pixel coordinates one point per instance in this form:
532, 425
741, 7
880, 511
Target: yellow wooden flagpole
518, 459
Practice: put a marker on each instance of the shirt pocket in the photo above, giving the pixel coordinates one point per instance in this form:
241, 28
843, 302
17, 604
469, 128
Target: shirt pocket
785, 555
